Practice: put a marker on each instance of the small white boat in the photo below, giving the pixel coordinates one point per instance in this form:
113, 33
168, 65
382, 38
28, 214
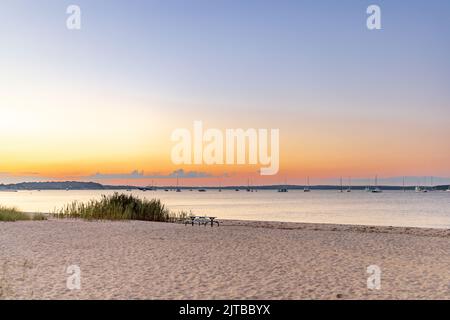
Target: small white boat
448, 190
284, 189
376, 189
178, 189
349, 189
421, 189
307, 189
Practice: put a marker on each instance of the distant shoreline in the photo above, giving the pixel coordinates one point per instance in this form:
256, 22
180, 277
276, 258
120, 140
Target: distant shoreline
75, 185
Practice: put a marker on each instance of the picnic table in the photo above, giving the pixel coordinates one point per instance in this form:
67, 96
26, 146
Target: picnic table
201, 220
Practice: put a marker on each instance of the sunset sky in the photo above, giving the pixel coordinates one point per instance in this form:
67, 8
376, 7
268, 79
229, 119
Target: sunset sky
98, 103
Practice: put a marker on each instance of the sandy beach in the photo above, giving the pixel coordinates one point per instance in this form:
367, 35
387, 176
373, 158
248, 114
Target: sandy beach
238, 260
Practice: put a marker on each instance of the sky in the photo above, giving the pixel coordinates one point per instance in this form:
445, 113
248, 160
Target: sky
101, 103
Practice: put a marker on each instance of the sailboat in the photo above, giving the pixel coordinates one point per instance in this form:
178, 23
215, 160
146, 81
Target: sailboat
178, 188
342, 189
284, 188
349, 185
307, 189
421, 189
149, 187
448, 190
376, 189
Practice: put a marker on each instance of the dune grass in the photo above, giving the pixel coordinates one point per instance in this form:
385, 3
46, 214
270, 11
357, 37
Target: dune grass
119, 207
11, 214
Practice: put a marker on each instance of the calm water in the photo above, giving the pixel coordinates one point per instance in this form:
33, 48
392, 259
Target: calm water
393, 208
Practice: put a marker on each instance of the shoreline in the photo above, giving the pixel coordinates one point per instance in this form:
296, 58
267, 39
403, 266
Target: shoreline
417, 231
283, 225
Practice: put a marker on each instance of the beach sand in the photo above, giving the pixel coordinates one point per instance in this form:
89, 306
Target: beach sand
238, 260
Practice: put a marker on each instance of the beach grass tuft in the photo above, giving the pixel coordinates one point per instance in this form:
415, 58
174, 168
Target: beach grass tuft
11, 214
119, 207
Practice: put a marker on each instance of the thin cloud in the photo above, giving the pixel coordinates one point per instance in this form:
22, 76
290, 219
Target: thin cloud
141, 175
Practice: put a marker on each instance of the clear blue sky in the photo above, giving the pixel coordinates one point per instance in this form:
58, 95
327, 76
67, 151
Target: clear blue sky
222, 49
253, 63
